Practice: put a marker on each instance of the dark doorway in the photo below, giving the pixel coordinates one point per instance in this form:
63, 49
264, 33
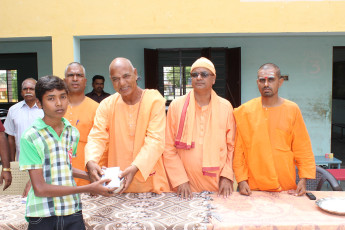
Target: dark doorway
338, 104
24, 65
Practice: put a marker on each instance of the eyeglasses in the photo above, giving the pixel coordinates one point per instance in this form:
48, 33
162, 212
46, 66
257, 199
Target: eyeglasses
270, 79
202, 74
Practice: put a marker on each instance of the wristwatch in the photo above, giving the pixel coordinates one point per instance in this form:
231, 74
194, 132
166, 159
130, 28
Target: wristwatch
6, 169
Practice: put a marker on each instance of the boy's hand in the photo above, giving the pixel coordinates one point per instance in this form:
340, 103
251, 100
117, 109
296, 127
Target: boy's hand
95, 171
26, 189
98, 188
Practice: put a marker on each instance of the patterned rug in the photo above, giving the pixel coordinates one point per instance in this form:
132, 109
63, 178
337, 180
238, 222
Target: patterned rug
133, 211
146, 211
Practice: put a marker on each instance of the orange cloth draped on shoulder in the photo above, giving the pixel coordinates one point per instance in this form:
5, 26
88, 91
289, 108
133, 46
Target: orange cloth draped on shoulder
136, 136
81, 116
204, 151
270, 142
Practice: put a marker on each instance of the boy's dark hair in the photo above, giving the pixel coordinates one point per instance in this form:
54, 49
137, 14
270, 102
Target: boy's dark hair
48, 83
97, 77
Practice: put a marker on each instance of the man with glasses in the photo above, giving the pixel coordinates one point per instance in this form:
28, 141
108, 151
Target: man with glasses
271, 140
131, 123
200, 137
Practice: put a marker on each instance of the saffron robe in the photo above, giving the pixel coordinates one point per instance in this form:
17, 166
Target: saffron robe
183, 165
270, 142
136, 136
81, 117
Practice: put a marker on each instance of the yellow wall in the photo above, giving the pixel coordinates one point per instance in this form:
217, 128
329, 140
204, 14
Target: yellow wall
64, 19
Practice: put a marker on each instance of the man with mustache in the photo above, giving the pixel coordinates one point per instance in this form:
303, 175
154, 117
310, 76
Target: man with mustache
98, 94
80, 112
132, 123
271, 140
21, 116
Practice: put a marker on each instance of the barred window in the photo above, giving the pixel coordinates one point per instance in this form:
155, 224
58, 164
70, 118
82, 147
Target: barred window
8, 86
168, 70
174, 71
177, 81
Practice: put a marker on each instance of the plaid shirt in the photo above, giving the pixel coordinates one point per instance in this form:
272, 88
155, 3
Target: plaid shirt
42, 148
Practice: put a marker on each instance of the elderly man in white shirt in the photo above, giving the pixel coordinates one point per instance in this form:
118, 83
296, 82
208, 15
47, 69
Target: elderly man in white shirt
21, 115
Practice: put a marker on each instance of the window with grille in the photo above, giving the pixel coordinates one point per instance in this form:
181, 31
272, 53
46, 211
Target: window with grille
168, 70
8, 86
174, 71
176, 80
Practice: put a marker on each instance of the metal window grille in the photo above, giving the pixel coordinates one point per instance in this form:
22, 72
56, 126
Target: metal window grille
176, 81
174, 71
8, 86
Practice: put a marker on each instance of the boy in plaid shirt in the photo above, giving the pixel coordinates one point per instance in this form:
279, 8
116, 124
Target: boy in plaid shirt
47, 149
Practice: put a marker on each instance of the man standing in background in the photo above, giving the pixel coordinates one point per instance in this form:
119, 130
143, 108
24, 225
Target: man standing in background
21, 116
97, 94
80, 112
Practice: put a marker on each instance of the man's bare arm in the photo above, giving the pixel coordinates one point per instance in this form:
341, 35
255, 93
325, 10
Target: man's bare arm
12, 145
5, 161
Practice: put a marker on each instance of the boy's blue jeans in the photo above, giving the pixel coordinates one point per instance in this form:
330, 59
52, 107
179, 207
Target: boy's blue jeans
70, 222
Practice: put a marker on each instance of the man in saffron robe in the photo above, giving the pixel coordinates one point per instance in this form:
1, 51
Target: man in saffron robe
200, 137
132, 122
80, 112
271, 140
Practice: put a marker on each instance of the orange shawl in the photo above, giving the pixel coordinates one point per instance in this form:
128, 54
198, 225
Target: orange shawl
211, 146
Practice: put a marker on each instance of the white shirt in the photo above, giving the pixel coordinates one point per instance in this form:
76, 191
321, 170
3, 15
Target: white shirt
19, 118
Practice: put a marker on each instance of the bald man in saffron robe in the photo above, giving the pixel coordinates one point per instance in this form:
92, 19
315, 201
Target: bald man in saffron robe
200, 137
271, 140
132, 123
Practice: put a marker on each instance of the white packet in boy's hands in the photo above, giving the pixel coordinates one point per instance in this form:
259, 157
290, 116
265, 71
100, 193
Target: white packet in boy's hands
112, 174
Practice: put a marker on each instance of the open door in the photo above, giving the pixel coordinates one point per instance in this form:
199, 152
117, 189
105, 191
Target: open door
151, 68
233, 73
338, 104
